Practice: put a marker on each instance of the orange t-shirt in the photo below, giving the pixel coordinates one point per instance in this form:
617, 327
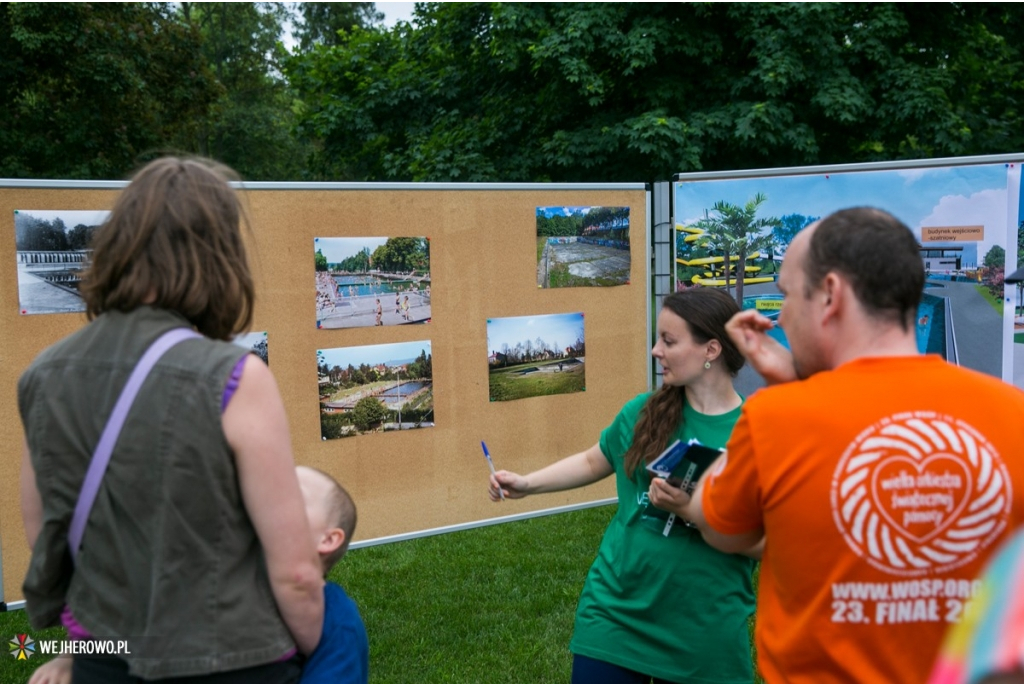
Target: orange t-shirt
882, 486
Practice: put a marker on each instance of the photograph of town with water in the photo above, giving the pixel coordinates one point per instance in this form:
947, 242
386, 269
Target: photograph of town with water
52, 249
372, 281
536, 355
582, 246
733, 234
375, 388
255, 342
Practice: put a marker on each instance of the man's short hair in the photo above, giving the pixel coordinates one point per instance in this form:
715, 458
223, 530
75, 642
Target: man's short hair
878, 254
341, 513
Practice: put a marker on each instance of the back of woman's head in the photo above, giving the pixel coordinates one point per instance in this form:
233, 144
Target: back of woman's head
173, 241
706, 311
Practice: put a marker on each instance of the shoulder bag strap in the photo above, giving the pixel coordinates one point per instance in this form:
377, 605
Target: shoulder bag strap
101, 457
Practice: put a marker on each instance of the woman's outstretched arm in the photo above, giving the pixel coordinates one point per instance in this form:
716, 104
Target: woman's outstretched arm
576, 471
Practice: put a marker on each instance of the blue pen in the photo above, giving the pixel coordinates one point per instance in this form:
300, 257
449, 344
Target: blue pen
490, 465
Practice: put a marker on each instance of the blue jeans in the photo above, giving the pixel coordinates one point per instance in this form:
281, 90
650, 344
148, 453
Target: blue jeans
587, 670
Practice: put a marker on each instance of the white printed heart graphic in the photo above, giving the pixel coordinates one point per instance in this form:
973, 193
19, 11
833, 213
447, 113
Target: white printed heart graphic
919, 493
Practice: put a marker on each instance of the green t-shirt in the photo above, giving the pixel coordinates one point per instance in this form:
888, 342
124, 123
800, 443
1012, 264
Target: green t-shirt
667, 606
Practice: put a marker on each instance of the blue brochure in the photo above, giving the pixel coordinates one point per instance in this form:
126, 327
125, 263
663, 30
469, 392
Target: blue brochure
683, 463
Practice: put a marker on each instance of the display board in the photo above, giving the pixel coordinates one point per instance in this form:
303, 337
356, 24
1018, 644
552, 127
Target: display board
397, 293
964, 213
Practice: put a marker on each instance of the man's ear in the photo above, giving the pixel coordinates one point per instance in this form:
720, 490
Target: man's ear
833, 291
331, 540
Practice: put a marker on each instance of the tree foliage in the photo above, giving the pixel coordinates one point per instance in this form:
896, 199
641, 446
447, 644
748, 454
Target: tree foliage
504, 91
320, 22
627, 91
422, 366
90, 89
249, 127
33, 233
368, 413
735, 230
402, 255
995, 257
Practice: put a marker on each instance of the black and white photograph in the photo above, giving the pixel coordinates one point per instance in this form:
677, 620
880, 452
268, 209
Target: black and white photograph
52, 250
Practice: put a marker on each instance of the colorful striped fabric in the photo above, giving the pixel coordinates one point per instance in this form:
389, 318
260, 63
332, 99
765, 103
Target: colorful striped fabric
990, 638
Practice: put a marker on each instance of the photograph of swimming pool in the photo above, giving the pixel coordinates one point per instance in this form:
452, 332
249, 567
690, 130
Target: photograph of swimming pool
52, 251
375, 388
372, 281
582, 246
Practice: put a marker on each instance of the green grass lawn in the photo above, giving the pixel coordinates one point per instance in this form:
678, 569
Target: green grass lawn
15, 623
507, 384
996, 302
494, 604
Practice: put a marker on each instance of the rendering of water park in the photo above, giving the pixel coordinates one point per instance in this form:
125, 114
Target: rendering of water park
733, 234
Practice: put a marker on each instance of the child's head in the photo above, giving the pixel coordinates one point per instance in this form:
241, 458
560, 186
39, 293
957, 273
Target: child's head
331, 513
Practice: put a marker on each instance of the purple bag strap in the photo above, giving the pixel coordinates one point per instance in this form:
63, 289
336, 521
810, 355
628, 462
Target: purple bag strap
101, 456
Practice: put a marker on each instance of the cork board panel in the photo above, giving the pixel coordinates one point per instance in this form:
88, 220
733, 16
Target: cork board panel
483, 265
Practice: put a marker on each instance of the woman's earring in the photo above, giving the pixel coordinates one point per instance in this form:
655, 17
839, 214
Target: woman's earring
707, 365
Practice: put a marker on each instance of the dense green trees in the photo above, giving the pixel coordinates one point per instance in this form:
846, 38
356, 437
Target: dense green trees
403, 255
505, 91
321, 21
368, 413
90, 89
636, 91
93, 90
33, 233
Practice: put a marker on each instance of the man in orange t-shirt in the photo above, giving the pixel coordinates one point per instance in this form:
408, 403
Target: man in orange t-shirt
880, 478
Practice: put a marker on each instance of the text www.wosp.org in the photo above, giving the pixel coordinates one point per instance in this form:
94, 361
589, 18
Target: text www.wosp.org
910, 601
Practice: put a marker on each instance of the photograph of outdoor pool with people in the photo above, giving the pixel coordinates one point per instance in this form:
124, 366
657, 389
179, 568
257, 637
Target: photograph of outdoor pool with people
372, 281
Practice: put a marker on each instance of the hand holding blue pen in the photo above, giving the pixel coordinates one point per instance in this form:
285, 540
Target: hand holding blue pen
490, 465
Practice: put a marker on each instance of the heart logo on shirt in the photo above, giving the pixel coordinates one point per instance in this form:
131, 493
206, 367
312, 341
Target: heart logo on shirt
921, 499
920, 493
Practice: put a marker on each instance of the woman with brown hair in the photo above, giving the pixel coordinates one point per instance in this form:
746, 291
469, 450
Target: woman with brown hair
658, 602
196, 550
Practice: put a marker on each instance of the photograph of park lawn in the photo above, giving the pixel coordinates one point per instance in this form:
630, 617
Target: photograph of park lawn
52, 250
372, 281
375, 388
536, 355
582, 246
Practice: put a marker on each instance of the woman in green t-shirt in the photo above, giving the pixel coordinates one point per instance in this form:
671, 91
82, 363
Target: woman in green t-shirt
659, 603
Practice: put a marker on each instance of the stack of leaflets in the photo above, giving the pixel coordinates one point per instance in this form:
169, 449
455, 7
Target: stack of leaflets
683, 463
